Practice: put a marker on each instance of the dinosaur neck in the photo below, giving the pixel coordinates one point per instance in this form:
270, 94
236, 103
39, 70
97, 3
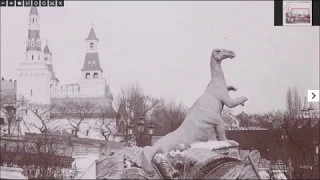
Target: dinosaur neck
217, 74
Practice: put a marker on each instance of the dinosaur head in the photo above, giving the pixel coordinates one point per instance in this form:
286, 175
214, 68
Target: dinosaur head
220, 54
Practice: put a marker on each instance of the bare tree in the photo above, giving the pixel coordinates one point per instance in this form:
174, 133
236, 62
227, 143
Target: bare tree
270, 120
42, 116
293, 102
77, 112
168, 117
11, 109
289, 102
39, 157
296, 101
131, 104
104, 123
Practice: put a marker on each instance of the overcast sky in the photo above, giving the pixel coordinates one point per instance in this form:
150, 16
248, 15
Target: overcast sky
166, 47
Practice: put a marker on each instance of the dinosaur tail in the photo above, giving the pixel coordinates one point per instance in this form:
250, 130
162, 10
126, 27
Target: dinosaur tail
147, 156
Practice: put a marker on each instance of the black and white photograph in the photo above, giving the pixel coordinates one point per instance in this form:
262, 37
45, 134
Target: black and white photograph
297, 13
158, 90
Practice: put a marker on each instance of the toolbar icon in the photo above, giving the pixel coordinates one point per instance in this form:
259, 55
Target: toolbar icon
35, 3
3, 3
19, 3
27, 2
60, 3
52, 3
11, 3
44, 2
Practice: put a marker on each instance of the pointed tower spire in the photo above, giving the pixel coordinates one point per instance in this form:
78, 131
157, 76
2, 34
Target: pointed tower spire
47, 50
33, 11
305, 104
92, 34
312, 106
34, 41
91, 62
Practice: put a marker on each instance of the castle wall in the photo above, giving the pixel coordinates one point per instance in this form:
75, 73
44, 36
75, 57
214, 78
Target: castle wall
93, 87
33, 83
62, 91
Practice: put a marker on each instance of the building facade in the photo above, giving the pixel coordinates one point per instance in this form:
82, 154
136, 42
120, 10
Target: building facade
38, 83
37, 80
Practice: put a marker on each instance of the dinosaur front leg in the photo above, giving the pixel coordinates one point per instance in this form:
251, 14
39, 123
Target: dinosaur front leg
232, 88
231, 103
220, 129
213, 136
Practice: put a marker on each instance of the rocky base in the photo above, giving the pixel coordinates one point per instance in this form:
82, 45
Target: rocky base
207, 160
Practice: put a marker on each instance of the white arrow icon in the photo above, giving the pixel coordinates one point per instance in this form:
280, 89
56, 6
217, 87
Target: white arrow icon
313, 95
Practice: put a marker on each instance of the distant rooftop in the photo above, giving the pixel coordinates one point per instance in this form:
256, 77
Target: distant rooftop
47, 50
92, 62
34, 11
7, 85
92, 35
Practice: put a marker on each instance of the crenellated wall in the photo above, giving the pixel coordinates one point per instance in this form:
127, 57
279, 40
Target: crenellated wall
69, 90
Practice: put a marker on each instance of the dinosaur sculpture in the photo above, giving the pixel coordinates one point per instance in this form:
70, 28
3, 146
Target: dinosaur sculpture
202, 118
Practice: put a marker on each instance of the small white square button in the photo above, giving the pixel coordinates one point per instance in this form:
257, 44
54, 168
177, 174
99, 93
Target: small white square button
313, 95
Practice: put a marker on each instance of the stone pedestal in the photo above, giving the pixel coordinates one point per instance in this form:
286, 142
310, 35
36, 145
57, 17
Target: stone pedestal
203, 160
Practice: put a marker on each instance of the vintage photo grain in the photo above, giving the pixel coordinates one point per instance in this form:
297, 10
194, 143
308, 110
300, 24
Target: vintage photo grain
158, 90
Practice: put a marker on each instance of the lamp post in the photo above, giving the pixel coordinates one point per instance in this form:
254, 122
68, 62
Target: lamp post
141, 129
130, 133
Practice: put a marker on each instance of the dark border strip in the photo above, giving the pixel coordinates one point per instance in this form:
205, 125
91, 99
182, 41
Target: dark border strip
315, 13
278, 13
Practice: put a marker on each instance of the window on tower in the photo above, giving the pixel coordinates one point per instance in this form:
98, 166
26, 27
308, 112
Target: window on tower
87, 75
89, 63
46, 58
93, 63
38, 57
33, 20
91, 45
95, 75
30, 92
31, 57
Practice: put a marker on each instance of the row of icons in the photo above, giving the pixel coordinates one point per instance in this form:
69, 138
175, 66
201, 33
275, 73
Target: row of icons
32, 2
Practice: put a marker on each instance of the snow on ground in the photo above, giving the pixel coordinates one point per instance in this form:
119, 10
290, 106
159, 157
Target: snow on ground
86, 166
11, 173
264, 175
212, 144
